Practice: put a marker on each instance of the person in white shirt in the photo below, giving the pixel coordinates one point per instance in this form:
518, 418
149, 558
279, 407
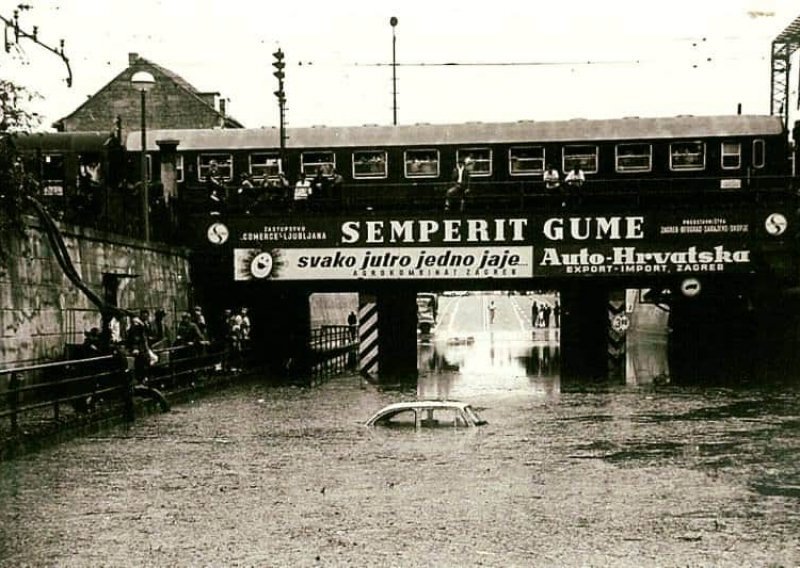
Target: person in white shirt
552, 179
575, 177
302, 191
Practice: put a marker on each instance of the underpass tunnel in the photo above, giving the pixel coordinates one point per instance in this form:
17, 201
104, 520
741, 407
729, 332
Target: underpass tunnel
500, 333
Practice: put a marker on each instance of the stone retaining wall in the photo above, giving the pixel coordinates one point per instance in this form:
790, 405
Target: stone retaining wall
41, 311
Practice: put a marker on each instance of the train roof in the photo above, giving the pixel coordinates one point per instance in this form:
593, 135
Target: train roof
63, 141
524, 131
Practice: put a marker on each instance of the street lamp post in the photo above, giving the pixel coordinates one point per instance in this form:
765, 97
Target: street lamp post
143, 81
393, 23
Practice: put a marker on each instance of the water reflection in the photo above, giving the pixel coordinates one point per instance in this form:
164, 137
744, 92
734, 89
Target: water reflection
530, 362
489, 363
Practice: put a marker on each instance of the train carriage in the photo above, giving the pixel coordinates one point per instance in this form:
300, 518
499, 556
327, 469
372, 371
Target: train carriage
79, 175
410, 167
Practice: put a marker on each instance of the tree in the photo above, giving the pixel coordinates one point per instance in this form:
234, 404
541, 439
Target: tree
14, 116
14, 181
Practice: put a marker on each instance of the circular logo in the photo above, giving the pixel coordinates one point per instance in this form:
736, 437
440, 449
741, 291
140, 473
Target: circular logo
690, 287
620, 322
261, 265
218, 233
776, 224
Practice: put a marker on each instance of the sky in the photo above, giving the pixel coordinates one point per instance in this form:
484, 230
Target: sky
514, 60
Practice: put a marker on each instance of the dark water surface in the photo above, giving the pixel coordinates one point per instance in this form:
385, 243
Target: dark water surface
564, 474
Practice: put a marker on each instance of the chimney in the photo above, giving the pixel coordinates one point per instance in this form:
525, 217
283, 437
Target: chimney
209, 98
133, 58
223, 107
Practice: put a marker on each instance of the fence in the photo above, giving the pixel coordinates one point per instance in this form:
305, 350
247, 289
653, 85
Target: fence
37, 396
51, 393
334, 350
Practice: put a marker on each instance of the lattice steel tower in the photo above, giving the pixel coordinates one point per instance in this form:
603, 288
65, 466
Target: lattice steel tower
783, 47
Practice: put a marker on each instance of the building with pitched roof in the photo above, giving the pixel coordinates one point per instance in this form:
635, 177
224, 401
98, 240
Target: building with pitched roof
172, 103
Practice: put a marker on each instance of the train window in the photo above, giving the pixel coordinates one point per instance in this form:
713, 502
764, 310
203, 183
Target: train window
312, 162
526, 160
481, 159
53, 174
759, 153
634, 157
265, 165
422, 163
369, 164
584, 157
731, 155
224, 165
687, 156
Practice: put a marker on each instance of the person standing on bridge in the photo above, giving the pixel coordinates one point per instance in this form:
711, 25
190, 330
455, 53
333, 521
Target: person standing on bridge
216, 190
552, 179
461, 178
302, 192
575, 180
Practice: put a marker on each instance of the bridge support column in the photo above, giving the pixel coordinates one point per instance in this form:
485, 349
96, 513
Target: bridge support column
388, 335
397, 321
712, 335
281, 328
584, 331
368, 344
617, 335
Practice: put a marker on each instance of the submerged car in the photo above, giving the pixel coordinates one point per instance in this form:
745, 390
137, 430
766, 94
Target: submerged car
427, 413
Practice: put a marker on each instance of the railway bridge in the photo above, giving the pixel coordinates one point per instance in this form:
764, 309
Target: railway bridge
721, 271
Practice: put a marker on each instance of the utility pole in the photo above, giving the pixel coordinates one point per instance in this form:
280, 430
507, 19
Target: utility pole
12, 28
279, 65
393, 23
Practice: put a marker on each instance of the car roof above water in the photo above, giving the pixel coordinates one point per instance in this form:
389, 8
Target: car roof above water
464, 409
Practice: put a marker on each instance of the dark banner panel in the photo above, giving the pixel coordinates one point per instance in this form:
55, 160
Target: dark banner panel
342, 248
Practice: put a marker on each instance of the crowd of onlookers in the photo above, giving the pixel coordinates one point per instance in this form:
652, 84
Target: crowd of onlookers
251, 196
143, 337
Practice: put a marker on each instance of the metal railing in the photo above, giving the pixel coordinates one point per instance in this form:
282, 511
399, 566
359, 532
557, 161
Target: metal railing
51, 393
35, 396
334, 350
491, 196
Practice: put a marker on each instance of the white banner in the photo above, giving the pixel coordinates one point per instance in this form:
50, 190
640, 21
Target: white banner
383, 263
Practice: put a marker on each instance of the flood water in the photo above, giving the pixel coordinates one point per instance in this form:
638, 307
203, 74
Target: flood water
636, 473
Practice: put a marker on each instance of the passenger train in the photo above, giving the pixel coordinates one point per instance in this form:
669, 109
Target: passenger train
410, 167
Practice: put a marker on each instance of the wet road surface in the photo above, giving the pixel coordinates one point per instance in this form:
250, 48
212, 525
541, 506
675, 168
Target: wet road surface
564, 474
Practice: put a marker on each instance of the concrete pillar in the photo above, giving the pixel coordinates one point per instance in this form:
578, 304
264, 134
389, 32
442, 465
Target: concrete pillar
397, 329
388, 335
617, 335
368, 334
281, 331
712, 335
584, 331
